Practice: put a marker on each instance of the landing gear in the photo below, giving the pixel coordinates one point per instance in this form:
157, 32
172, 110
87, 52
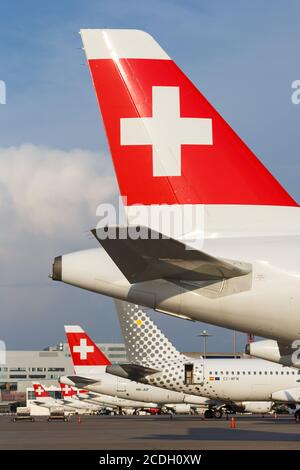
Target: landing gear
218, 414
210, 414
297, 416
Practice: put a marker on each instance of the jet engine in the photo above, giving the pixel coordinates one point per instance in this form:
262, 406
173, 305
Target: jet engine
257, 406
291, 395
180, 408
271, 350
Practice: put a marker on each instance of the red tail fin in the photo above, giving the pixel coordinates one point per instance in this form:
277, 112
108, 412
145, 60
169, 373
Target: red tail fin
168, 144
67, 391
39, 391
83, 350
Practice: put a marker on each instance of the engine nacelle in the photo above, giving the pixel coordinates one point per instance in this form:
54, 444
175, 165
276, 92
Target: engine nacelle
291, 395
180, 408
257, 406
67, 381
194, 400
270, 350
267, 349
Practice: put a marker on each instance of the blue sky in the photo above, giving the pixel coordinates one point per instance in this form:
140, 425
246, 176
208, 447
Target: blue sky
242, 55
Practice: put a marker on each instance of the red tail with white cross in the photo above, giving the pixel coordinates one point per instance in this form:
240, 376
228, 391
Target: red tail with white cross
83, 350
168, 144
67, 391
40, 391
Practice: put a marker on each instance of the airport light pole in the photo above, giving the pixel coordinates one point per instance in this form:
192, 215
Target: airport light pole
234, 344
204, 335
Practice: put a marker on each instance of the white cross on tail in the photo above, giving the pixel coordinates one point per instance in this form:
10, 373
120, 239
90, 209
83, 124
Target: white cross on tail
166, 131
83, 349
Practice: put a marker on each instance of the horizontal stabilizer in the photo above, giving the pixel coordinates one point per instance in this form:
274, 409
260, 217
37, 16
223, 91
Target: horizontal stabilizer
131, 371
80, 382
153, 256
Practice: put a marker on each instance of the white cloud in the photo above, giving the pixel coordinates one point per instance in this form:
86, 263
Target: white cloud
44, 190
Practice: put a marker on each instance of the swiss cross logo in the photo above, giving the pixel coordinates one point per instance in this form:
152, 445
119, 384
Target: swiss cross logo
166, 131
39, 390
83, 349
67, 390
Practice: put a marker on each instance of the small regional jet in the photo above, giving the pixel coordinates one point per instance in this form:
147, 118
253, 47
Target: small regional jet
71, 398
103, 401
90, 365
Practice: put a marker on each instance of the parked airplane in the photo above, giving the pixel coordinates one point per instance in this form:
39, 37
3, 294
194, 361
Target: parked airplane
44, 399
122, 405
90, 368
232, 258
104, 401
71, 399
249, 383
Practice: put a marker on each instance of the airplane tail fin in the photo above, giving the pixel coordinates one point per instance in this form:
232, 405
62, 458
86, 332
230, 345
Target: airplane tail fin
40, 391
144, 341
67, 391
86, 355
169, 145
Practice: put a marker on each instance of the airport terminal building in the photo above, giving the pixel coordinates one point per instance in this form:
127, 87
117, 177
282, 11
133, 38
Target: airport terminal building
21, 368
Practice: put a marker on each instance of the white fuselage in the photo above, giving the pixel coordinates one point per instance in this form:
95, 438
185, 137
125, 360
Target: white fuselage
49, 402
116, 402
229, 380
126, 389
75, 402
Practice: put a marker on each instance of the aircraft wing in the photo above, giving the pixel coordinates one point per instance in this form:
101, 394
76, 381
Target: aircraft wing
154, 256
